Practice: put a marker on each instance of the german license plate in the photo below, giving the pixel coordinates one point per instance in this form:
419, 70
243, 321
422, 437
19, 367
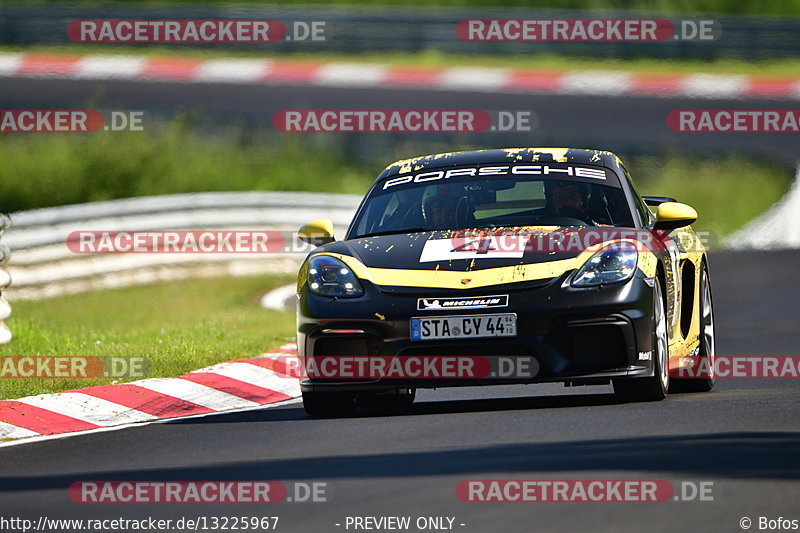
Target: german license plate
463, 326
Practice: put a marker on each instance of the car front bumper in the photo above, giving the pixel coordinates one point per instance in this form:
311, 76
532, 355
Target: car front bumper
578, 336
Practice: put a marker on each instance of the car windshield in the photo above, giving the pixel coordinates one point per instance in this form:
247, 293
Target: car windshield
400, 205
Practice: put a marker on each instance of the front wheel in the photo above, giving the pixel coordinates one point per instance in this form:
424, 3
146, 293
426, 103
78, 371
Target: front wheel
652, 388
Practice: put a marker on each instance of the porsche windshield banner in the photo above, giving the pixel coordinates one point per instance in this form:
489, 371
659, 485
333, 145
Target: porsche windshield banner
501, 170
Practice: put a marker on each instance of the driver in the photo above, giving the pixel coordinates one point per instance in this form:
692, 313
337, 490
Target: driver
440, 211
568, 195
569, 199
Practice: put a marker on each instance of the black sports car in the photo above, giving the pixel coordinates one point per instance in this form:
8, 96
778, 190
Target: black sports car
525, 265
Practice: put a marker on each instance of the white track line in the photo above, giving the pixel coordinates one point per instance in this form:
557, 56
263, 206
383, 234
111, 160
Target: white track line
277, 299
777, 228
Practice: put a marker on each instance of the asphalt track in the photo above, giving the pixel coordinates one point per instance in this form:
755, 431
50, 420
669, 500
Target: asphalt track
744, 437
613, 123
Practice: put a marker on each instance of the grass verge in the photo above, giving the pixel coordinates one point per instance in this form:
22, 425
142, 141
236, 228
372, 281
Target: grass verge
60, 169
53, 169
177, 326
727, 193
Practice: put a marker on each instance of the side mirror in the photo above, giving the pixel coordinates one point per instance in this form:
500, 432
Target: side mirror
317, 232
673, 215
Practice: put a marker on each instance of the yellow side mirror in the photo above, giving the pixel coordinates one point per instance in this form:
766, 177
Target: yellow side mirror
317, 232
674, 215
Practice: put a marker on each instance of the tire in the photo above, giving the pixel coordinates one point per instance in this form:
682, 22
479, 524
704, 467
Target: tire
393, 401
655, 387
329, 404
707, 342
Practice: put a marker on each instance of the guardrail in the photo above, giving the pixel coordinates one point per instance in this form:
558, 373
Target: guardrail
351, 29
5, 281
44, 266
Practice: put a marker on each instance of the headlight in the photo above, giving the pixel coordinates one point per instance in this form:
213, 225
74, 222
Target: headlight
328, 276
612, 264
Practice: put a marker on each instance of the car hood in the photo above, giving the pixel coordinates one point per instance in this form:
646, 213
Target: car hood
469, 260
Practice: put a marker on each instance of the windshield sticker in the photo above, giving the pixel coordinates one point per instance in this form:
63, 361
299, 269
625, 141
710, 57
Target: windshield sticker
437, 304
448, 250
530, 170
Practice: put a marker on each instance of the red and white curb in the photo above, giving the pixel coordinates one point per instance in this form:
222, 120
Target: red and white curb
234, 385
359, 75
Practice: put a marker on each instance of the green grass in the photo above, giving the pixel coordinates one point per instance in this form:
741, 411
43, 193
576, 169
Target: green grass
744, 7
58, 169
435, 58
727, 193
178, 326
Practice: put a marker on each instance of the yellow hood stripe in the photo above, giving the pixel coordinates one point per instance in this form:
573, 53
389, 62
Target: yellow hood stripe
471, 279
